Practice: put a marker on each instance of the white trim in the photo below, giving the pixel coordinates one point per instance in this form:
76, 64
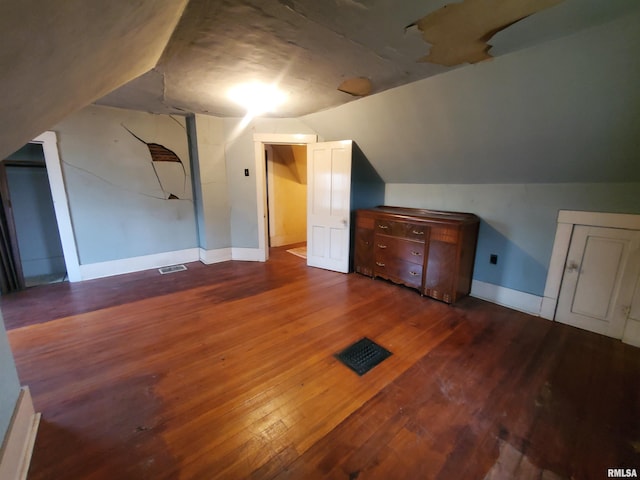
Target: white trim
49, 143
136, 264
259, 141
215, 256
285, 138
548, 308
599, 219
521, 301
567, 219
270, 194
631, 333
247, 254
17, 448
558, 259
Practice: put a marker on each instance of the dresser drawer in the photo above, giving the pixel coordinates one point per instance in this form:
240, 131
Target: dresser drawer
407, 273
388, 247
416, 232
402, 229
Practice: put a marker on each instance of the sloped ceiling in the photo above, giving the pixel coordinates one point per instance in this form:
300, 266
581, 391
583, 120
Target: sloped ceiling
311, 47
566, 111
57, 56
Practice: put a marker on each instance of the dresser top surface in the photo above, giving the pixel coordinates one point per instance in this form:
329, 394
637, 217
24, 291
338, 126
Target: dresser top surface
424, 214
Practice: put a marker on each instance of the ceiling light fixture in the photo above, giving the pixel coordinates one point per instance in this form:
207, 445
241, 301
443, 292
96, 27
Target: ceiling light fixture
257, 97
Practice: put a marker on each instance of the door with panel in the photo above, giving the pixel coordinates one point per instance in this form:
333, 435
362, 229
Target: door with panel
328, 204
600, 276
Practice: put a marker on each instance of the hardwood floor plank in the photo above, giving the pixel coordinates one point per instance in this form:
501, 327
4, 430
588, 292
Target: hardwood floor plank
231, 374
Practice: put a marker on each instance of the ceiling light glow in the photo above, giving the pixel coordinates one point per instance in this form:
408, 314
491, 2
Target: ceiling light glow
256, 97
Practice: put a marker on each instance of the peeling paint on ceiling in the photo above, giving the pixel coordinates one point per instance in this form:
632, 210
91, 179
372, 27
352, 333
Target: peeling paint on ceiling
358, 87
310, 47
459, 32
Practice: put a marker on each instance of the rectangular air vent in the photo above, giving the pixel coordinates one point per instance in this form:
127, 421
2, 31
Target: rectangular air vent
172, 269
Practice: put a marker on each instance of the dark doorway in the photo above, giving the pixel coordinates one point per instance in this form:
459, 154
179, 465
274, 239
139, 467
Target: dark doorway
29, 221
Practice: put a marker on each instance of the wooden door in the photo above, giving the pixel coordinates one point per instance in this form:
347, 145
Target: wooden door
598, 283
328, 204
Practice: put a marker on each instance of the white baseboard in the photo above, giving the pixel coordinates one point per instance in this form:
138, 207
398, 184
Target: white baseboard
548, 308
521, 301
137, 264
215, 256
15, 456
246, 254
632, 332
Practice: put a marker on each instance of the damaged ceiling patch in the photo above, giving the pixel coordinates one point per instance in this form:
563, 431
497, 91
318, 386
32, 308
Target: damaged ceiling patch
459, 32
356, 86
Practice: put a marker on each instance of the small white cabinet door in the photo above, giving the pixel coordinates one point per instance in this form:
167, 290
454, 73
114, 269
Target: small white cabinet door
599, 279
328, 204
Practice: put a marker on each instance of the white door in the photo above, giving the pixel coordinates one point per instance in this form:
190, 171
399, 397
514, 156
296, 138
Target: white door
328, 204
599, 279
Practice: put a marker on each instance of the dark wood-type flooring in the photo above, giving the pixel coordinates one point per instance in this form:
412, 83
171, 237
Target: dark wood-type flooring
228, 371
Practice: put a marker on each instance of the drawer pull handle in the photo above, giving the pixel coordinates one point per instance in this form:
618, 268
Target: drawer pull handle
384, 227
414, 273
381, 246
416, 254
417, 232
380, 264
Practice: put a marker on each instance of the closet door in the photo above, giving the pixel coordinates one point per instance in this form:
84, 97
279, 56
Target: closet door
599, 279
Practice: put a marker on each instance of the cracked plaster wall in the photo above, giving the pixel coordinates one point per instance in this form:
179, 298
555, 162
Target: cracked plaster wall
118, 207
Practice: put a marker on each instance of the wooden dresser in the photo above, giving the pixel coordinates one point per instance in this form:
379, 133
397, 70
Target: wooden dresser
428, 250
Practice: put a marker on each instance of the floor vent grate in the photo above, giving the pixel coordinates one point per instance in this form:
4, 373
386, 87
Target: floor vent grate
172, 269
363, 355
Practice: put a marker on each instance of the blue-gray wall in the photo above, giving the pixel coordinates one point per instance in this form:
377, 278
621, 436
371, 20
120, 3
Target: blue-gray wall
206, 146
514, 140
518, 220
35, 220
563, 111
118, 205
240, 154
9, 383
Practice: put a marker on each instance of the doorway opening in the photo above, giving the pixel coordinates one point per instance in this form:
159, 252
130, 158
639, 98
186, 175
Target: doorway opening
261, 141
286, 186
33, 253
